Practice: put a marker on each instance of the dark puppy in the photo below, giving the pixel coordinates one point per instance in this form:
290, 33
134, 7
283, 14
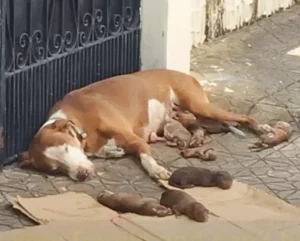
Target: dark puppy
182, 203
129, 203
187, 177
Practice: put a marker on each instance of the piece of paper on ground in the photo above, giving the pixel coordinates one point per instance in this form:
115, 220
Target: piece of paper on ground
66, 206
95, 230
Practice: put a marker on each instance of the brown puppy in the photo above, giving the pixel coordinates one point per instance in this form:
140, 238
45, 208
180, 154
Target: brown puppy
187, 177
175, 134
272, 136
206, 154
189, 121
182, 203
211, 126
124, 203
198, 138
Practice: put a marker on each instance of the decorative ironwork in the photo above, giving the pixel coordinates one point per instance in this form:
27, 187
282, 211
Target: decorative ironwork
54, 46
52, 27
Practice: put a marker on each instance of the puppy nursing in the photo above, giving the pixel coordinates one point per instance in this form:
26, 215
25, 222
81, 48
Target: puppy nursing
176, 135
195, 130
188, 141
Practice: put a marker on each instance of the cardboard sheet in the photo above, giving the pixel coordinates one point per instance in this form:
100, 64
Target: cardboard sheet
95, 230
251, 200
242, 213
66, 206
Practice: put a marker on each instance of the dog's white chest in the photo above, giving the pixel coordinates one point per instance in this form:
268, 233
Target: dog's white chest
156, 116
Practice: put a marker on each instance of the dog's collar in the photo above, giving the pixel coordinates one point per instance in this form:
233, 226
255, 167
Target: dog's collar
79, 131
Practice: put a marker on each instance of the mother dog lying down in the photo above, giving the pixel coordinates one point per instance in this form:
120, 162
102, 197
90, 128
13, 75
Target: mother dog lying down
114, 117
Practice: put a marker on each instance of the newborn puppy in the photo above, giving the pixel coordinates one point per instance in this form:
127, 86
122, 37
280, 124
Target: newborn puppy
206, 154
187, 119
198, 138
175, 134
124, 203
188, 177
182, 203
272, 136
192, 124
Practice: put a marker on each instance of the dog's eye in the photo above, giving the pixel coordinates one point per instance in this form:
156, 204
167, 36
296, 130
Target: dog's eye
181, 143
66, 148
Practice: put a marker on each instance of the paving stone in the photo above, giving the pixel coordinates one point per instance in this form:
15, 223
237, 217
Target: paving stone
61, 185
280, 186
80, 187
122, 188
295, 195
267, 179
270, 113
4, 228
41, 189
284, 194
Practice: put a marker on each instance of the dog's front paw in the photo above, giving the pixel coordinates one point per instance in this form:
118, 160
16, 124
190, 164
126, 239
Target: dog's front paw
161, 173
115, 153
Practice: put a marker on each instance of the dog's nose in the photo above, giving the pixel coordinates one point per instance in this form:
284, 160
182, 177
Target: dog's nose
82, 174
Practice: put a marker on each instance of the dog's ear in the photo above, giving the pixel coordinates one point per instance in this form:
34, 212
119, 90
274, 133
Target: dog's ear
61, 125
23, 159
176, 117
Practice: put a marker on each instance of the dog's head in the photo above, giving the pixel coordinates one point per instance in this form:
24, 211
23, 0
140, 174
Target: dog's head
223, 179
58, 148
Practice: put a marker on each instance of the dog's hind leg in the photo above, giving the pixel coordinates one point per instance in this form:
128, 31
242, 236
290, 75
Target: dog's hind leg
204, 109
193, 98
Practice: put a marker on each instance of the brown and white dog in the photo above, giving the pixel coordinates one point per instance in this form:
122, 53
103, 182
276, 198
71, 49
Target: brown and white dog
114, 117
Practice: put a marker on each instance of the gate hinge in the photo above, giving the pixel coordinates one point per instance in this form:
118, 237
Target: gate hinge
1, 138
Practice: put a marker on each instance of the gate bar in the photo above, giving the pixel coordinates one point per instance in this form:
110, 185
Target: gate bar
2, 81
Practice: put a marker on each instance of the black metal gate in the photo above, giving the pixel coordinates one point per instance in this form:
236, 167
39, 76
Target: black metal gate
49, 47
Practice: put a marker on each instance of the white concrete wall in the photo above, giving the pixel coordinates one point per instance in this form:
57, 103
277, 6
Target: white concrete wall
268, 7
171, 27
166, 34
198, 21
234, 13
